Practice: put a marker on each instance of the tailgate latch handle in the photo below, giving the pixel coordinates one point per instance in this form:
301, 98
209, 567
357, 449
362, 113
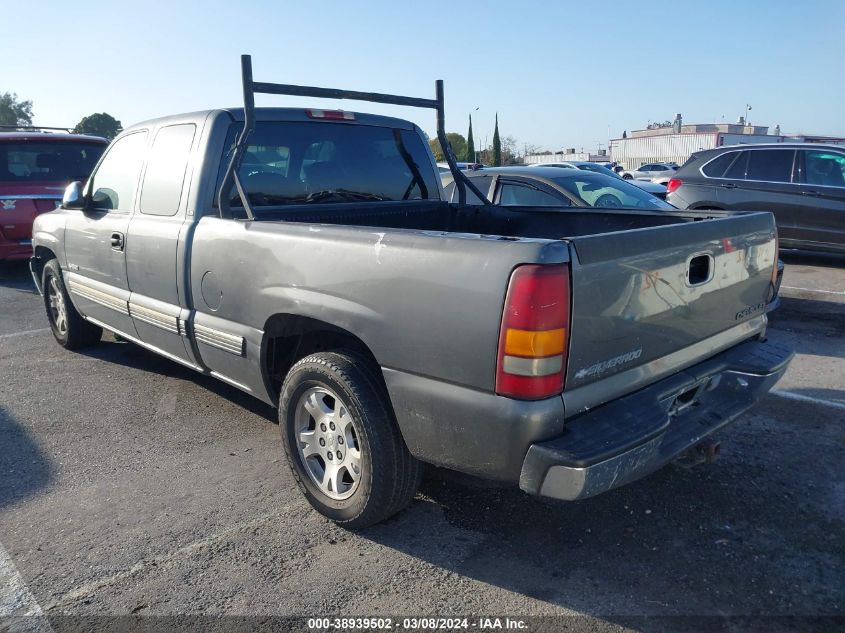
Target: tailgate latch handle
700, 269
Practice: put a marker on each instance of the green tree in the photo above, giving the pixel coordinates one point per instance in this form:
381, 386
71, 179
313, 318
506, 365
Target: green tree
457, 141
470, 153
14, 111
99, 124
497, 145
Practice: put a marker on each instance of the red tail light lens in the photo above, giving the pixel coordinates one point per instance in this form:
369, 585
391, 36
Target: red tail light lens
331, 115
673, 184
534, 336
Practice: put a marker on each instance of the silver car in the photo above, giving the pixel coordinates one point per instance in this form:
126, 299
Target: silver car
655, 172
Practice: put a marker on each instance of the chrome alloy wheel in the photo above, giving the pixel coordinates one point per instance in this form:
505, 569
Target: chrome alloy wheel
327, 439
58, 310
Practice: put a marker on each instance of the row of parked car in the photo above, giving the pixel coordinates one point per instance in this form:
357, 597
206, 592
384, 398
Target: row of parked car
802, 184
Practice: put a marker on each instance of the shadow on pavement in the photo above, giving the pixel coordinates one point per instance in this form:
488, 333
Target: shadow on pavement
16, 275
136, 357
24, 468
708, 541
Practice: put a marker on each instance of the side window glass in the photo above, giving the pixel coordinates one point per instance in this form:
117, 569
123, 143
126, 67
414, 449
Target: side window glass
162, 188
824, 168
483, 185
519, 195
717, 167
116, 180
737, 170
771, 165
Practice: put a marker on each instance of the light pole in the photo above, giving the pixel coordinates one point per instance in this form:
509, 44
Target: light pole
747, 110
473, 141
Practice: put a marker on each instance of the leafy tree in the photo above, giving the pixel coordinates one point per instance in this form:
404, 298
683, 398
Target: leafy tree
497, 145
99, 124
457, 141
14, 111
470, 153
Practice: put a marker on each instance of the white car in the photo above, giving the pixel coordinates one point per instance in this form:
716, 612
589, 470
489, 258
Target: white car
655, 172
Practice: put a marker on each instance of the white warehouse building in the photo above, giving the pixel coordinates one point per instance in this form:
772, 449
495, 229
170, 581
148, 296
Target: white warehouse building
667, 144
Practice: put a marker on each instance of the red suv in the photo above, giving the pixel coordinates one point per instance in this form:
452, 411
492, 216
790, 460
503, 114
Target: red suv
35, 168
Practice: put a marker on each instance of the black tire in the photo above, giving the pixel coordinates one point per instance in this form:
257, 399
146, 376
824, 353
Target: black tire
72, 331
627, 177
389, 475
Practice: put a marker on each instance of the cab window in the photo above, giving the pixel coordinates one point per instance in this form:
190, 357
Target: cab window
116, 180
162, 189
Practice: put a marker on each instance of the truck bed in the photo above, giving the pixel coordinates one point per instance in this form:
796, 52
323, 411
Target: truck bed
491, 220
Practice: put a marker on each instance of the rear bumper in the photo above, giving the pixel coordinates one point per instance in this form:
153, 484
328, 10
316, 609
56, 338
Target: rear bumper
633, 436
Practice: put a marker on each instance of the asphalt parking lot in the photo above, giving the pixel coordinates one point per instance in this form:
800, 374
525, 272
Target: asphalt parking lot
130, 485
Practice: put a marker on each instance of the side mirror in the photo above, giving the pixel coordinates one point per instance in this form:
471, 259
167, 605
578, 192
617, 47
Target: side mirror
73, 197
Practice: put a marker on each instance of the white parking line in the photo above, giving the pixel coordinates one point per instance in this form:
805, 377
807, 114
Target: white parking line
25, 333
780, 393
17, 604
813, 290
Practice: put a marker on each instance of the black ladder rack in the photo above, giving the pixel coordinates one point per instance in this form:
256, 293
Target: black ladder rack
252, 87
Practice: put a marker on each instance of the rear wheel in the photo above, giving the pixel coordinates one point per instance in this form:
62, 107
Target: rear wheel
69, 328
342, 442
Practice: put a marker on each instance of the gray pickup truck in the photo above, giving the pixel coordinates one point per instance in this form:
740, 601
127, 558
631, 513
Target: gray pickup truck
307, 257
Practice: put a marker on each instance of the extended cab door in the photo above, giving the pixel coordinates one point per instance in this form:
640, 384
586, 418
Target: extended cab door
95, 238
157, 307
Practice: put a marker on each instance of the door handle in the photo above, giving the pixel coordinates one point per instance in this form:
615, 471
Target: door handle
117, 241
729, 185
814, 194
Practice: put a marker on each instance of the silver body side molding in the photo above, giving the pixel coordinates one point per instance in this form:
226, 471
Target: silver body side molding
221, 340
98, 296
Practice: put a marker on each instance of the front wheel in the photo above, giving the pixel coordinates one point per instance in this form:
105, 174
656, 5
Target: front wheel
69, 328
342, 442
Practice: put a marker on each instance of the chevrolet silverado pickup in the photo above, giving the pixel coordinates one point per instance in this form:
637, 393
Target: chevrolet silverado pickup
308, 257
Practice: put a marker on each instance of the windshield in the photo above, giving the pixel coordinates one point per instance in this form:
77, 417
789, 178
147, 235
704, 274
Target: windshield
289, 162
601, 191
45, 161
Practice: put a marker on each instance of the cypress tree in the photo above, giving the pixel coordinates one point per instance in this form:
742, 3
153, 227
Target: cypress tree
497, 145
470, 155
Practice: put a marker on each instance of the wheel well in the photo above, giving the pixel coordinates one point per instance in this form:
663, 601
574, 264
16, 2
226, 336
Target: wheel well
42, 256
288, 338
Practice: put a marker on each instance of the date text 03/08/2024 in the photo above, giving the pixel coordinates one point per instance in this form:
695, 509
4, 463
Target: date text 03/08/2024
416, 624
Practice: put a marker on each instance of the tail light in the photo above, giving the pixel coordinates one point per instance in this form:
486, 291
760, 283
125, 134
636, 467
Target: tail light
673, 184
774, 286
331, 115
534, 336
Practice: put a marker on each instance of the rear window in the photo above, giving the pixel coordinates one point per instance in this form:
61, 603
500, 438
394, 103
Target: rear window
46, 161
717, 167
312, 163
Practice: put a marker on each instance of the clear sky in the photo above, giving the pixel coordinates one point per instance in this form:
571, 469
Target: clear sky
559, 73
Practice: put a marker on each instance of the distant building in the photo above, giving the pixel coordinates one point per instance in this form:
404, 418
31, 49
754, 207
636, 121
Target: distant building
567, 155
676, 142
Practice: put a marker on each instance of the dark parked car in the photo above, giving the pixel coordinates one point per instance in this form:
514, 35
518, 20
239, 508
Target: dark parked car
556, 187
803, 184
